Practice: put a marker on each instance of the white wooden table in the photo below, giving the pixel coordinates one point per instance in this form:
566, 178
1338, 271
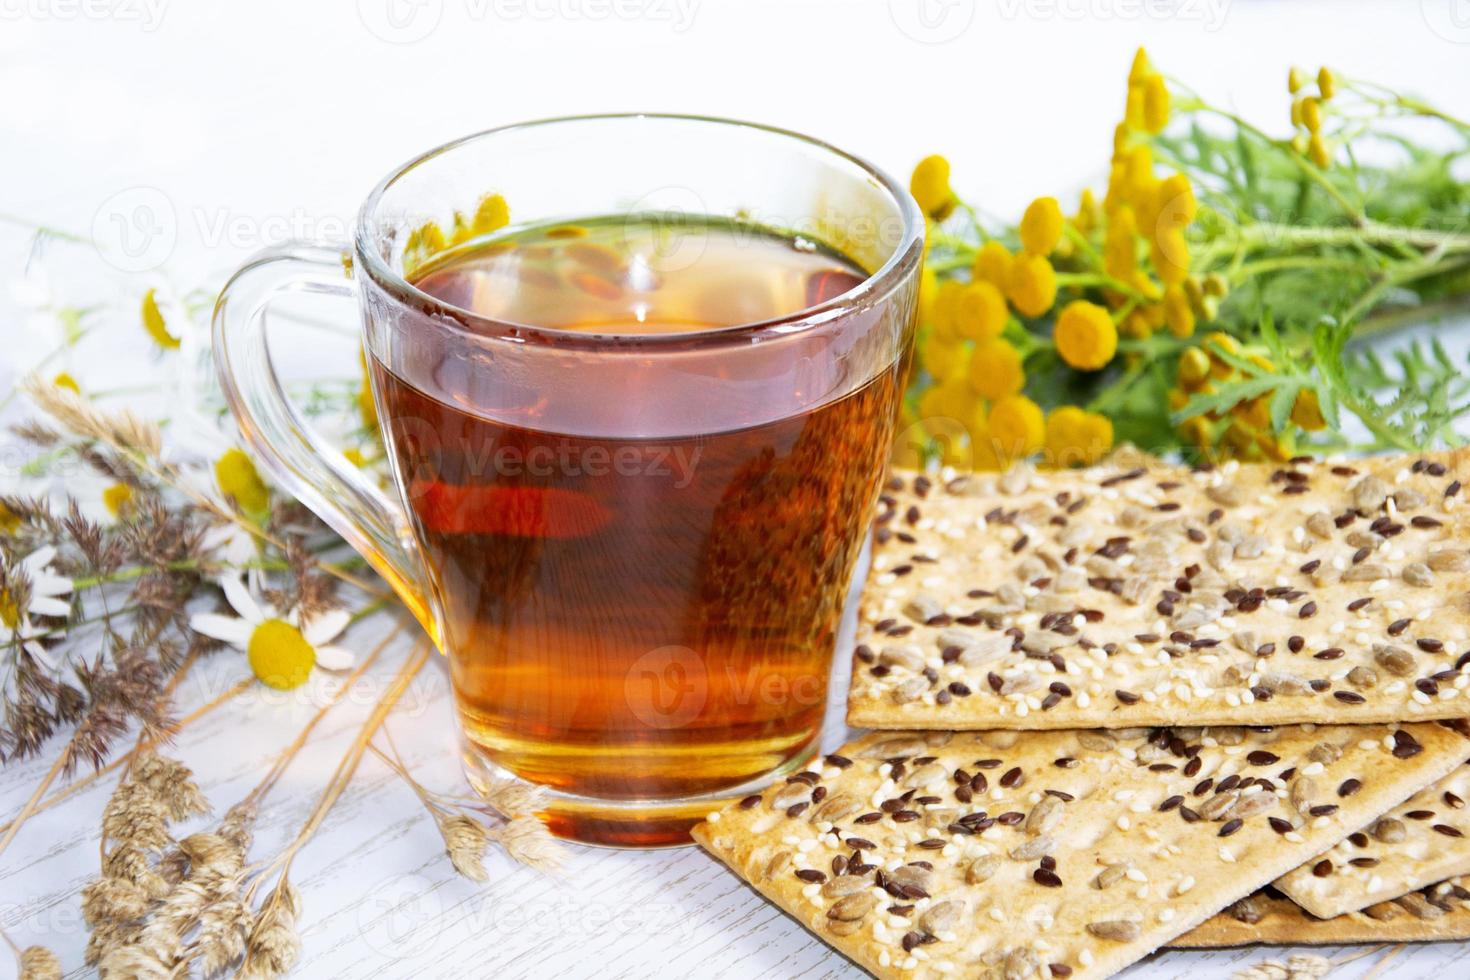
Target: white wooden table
381, 901
256, 121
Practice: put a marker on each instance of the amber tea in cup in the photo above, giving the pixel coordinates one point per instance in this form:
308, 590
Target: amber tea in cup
636, 451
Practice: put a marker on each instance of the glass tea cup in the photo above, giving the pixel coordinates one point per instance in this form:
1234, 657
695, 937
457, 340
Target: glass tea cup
636, 378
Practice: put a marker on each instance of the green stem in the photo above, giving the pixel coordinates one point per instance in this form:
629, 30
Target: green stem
1308, 169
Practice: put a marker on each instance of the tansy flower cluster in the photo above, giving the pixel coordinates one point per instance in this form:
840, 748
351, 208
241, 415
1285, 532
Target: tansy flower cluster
1244, 431
1119, 266
1307, 109
1036, 338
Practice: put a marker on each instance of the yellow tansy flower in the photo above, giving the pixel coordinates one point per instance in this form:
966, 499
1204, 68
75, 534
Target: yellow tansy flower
1032, 285
238, 479
1216, 342
154, 325
1175, 204
996, 370
1134, 113
1085, 335
1194, 369
930, 187
1120, 258
1295, 79
1138, 171
1088, 212
1178, 313
1255, 412
1169, 253
928, 290
1041, 226
1311, 113
1326, 82
1306, 411
64, 380
1317, 150
1140, 69
1135, 325
944, 358
1155, 104
945, 404
1196, 431
992, 264
980, 311
1016, 427
1075, 436
943, 316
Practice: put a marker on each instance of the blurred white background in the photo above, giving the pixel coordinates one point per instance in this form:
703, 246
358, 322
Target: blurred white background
186, 134
254, 121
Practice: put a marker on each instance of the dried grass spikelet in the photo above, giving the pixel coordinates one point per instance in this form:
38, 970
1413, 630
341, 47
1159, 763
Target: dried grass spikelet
236, 827
39, 963
173, 783
527, 840
465, 840
223, 930
112, 900
212, 856
136, 815
274, 945
130, 863
121, 429
511, 797
133, 962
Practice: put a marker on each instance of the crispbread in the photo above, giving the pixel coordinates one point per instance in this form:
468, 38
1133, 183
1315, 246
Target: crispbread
1421, 841
1068, 853
1439, 912
1134, 593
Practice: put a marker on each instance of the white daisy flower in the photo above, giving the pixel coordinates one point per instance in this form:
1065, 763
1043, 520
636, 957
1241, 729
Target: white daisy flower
280, 651
44, 599
235, 547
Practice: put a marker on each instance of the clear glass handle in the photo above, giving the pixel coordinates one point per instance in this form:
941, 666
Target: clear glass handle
301, 461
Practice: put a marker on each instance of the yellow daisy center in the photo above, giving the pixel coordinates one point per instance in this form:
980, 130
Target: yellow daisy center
279, 655
118, 499
154, 324
9, 613
238, 478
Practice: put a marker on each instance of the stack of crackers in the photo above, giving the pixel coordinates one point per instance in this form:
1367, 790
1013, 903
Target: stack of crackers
1135, 706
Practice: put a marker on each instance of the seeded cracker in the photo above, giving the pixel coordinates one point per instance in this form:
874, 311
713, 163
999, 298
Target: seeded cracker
1419, 842
1134, 593
1439, 912
1055, 854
